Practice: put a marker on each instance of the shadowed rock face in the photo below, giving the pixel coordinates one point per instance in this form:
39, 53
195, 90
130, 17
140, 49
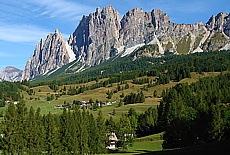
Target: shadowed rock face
49, 54
104, 34
11, 74
97, 36
221, 23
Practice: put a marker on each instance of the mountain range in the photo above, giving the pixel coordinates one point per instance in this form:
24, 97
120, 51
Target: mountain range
104, 34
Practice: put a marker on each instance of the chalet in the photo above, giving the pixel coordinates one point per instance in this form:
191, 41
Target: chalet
8, 102
112, 139
15, 102
108, 103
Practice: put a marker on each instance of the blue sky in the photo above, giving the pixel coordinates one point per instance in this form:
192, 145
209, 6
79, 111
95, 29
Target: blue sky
23, 23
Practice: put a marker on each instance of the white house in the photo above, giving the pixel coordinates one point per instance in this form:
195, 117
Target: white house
112, 141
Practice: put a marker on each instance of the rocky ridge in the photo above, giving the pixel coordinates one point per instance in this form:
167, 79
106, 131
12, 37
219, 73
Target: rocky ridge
50, 54
11, 74
104, 34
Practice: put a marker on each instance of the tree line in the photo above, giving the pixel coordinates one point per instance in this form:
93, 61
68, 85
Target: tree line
73, 132
10, 91
134, 98
196, 62
188, 114
197, 113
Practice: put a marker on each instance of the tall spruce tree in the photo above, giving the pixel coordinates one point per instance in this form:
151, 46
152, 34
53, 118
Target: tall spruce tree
52, 145
101, 132
9, 130
31, 129
40, 145
93, 135
21, 112
84, 135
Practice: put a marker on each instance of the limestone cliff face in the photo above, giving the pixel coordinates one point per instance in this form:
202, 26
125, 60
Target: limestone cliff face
227, 25
96, 37
11, 74
50, 53
219, 27
219, 23
104, 34
136, 28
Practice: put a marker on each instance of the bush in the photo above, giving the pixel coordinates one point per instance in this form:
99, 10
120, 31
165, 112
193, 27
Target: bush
2, 103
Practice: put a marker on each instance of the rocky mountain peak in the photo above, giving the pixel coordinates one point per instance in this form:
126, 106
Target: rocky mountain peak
159, 18
50, 54
96, 36
57, 32
11, 74
217, 23
134, 12
104, 34
108, 8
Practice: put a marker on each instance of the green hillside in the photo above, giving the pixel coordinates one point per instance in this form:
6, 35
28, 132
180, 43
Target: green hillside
185, 99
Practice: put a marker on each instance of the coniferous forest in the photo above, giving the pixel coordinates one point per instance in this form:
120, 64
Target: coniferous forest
188, 114
73, 132
197, 113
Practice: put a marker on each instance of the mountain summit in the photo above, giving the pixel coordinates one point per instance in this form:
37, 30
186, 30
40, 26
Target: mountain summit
11, 74
104, 34
50, 54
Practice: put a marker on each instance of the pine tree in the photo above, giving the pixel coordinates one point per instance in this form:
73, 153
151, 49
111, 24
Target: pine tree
155, 93
40, 146
64, 132
84, 136
9, 130
31, 133
76, 132
93, 134
124, 131
52, 135
110, 125
72, 141
142, 97
101, 130
21, 112
216, 129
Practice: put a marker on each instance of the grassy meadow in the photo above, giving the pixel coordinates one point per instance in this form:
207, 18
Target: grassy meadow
143, 145
38, 99
151, 144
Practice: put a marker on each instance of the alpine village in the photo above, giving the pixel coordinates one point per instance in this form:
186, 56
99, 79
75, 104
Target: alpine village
121, 84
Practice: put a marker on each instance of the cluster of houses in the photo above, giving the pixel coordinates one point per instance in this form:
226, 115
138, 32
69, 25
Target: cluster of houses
83, 104
14, 102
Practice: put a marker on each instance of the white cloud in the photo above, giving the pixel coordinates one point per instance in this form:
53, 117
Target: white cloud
5, 54
21, 33
61, 8
24, 33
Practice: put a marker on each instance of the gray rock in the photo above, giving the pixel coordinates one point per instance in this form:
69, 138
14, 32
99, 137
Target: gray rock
219, 23
103, 34
50, 53
96, 37
11, 74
